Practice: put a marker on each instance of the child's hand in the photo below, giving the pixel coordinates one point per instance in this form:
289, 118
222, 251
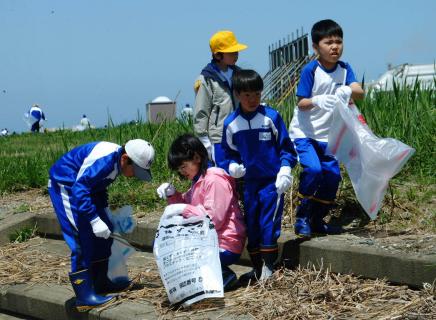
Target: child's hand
165, 190
325, 101
236, 170
344, 93
100, 228
284, 179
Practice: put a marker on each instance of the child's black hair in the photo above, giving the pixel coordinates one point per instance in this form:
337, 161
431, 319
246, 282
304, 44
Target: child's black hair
184, 148
247, 80
325, 28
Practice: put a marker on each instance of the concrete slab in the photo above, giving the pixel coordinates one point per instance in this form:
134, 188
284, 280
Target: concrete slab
335, 252
52, 301
15, 223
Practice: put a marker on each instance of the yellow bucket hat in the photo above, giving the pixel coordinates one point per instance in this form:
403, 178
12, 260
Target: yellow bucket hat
225, 41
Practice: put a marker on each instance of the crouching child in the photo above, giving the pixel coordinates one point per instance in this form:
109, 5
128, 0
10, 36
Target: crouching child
212, 193
78, 190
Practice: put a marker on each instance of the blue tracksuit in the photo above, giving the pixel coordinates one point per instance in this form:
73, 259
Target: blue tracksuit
37, 115
309, 130
78, 190
259, 141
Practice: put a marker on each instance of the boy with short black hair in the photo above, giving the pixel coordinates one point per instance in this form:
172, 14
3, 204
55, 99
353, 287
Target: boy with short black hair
78, 191
322, 83
214, 94
257, 144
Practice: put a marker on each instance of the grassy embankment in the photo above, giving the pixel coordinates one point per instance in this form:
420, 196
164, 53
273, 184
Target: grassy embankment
407, 115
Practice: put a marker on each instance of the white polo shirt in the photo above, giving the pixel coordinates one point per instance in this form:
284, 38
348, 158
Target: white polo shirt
316, 80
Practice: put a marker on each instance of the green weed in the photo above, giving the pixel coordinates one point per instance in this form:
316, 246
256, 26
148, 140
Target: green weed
23, 234
24, 207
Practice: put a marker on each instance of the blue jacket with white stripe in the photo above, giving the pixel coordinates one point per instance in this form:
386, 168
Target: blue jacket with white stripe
260, 141
87, 171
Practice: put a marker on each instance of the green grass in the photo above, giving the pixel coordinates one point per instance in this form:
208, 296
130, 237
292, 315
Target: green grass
405, 114
23, 234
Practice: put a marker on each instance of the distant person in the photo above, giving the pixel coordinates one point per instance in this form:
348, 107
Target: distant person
85, 123
35, 116
187, 111
212, 193
78, 190
322, 83
214, 93
257, 144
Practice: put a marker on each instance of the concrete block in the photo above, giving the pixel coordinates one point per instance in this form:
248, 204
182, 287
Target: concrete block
14, 223
399, 268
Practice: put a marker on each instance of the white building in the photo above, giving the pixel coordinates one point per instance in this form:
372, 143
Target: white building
160, 109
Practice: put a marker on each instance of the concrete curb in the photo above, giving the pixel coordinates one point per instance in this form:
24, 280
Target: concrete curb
329, 252
15, 223
54, 302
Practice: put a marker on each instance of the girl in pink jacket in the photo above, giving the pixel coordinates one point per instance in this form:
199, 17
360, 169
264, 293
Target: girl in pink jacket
212, 193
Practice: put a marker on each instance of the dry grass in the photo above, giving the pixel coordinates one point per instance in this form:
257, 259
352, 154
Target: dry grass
302, 293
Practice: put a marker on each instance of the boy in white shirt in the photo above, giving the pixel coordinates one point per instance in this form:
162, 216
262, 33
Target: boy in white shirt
322, 82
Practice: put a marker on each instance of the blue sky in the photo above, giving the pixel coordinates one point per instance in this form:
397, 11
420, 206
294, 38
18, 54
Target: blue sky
95, 57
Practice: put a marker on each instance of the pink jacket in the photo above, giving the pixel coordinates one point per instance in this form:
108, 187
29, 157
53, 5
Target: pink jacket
214, 194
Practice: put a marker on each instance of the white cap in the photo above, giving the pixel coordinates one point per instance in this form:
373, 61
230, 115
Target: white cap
141, 153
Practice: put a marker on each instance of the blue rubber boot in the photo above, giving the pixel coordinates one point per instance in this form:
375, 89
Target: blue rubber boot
302, 221
229, 278
319, 212
102, 283
86, 298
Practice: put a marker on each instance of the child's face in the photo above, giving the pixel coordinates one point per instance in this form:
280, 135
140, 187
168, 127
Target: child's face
230, 58
249, 100
189, 169
126, 168
329, 50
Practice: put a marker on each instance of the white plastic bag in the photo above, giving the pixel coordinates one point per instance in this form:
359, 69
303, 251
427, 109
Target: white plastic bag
29, 119
117, 267
187, 256
122, 221
370, 161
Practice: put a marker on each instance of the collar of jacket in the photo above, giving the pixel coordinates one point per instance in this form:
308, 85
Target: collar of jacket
211, 71
251, 115
119, 160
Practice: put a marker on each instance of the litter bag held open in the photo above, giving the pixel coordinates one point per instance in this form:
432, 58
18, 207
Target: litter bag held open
370, 161
187, 256
123, 222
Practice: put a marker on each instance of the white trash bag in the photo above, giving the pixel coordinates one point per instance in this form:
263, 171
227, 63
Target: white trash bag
187, 255
122, 221
29, 119
370, 161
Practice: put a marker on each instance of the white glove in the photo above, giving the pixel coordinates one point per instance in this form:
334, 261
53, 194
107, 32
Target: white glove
174, 210
284, 179
325, 101
344, 93
236, 170
207, 144
100, 228
165, 190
